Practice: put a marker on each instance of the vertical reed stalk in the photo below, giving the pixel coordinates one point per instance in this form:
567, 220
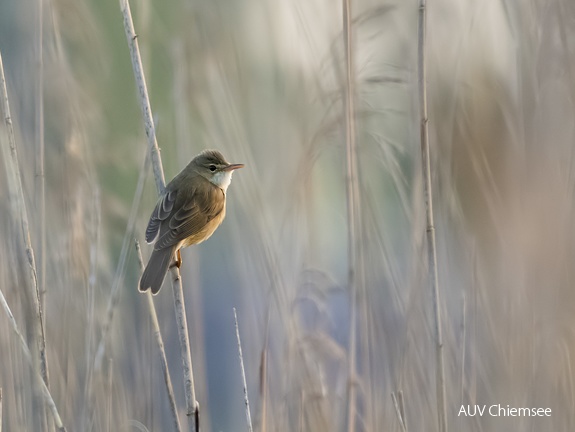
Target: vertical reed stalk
40, 184
110, 388
430, 228
351, 194
192, 406
264, 374
20, 214
145, 105
162, 351
39, 180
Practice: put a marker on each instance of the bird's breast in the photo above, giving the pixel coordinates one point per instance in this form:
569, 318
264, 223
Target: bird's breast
206, 232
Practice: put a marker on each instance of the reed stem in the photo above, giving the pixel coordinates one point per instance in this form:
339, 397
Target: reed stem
430, 227
192, 406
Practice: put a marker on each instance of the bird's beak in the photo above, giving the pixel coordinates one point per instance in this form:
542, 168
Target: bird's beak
232, 167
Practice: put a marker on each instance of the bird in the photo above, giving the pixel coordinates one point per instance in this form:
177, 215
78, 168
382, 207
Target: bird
191, 208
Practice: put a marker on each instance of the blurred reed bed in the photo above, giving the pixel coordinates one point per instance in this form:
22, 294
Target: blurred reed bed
264, 82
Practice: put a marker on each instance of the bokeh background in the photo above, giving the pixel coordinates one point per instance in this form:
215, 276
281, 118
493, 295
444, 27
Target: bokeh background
262, 81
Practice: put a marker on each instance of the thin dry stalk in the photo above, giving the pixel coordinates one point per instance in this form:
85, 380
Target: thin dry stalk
264, 374
351, 194
38, 378
110, 385
19, 213
40, 184
264, 388
192, 406
430, 228
402, 409
397, 407
0, 409
246, 399
39, 180
143, 96
162, 351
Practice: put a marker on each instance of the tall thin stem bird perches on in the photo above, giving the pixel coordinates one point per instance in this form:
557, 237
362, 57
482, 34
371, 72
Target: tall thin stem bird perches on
160, 343
192, 406
430, 228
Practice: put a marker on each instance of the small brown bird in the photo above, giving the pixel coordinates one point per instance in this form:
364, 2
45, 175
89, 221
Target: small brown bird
192, 207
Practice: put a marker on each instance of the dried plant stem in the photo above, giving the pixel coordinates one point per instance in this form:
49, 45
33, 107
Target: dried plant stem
0, 409
351, 194
264, 374
246, 399
149, 126
398, 411
430, 228
40, 184
19, 213
402, 409
264, 388
192, 406
39, 179
162, 351
38, 378
110, 385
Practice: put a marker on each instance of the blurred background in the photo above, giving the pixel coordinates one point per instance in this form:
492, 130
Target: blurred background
263, 82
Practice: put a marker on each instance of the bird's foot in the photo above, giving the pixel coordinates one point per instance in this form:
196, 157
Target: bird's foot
177, 261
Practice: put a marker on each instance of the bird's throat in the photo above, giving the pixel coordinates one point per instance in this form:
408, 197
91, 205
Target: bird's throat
222, 179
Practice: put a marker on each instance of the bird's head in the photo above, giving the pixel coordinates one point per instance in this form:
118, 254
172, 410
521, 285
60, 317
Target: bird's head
212, 165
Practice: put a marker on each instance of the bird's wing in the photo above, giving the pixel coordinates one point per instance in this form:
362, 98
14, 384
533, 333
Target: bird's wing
162, 211
192, 211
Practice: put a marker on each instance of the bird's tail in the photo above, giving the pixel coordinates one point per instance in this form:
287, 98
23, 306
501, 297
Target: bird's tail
156, 269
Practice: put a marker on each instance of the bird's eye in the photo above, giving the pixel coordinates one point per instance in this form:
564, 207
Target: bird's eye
212, 168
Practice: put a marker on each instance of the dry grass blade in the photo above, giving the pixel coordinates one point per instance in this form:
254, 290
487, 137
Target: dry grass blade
398, 411
430, 228
246, 399
38, 378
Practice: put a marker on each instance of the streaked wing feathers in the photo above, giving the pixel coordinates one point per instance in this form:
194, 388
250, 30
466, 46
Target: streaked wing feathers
189, 216
162, 210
